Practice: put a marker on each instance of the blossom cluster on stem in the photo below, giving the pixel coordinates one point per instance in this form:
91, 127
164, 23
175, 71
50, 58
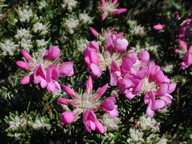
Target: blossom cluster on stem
88, 103
45, 68
137, 75
186, 49
109, 8
98, 56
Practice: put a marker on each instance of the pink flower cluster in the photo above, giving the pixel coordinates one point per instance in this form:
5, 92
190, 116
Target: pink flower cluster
99, 57
136, 75
186, 49
110, 8
88, 103
45, 69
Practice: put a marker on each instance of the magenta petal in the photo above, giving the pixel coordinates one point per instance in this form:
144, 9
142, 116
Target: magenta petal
52, 73
159, 77
158, 27
39, 74
66, 69
158, 104
114, 2
149, 112
93, 57
63, 101
53, 52
163, 88
89, 119
23, 65
102, 90
126, 65
68, 90
89, 84
171, 88
121, 45
26, 80
67, 117
51, 87
144, 56
25, 54
108, 104
104, 17
94, 32
101, 8
119, 11
99, 127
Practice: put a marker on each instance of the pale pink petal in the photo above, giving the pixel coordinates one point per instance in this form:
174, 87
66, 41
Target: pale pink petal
113, 113
144, 56
26, 80
66, 69
166, 99
104, 17
129, 95
114, 2
163, 89
89, 84
101, 8
158, 104
96, 71
51, 87
171, 88
68, 90
149, 112
43, 83
67, 117
102, 90
121, 45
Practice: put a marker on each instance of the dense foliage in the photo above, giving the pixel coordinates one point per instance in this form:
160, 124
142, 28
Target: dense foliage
90, 71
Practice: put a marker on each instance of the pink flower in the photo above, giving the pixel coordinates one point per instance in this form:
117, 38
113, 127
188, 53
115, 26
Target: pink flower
89, 103
45, 68
91, 123
67, 118
110, 8
158, 27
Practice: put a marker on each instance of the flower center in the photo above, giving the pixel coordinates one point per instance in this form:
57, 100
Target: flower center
148, 86
109, 7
